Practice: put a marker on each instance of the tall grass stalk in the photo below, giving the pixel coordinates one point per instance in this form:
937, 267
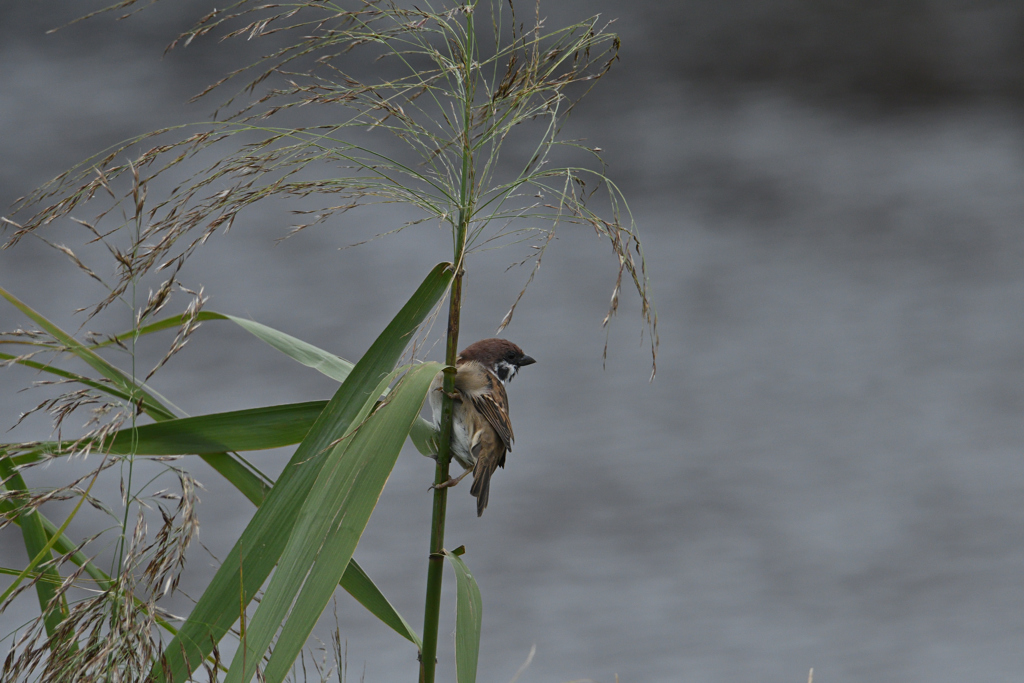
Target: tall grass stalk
435, 559
464, 129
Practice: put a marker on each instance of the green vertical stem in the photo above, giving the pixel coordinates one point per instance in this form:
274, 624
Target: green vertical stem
435, 562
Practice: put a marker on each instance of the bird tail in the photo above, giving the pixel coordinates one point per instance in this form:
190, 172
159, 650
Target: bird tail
481, 487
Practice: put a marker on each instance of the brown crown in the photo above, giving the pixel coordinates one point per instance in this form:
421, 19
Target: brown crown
490, 351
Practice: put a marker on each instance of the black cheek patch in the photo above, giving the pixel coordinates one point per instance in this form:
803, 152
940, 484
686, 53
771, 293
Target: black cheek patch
504, 371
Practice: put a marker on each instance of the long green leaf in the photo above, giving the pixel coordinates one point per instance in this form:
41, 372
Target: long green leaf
328, 529
309, 355
334, 367
301, 351
287, 581
261, 631
238, 430
468, 618
258, 549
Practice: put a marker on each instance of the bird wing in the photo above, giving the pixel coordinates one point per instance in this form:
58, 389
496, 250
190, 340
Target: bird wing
492, 403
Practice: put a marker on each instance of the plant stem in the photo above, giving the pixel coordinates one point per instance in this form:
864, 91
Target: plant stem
435, 566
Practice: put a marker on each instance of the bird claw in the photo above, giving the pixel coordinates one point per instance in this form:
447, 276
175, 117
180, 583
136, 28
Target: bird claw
452, 481
453, 395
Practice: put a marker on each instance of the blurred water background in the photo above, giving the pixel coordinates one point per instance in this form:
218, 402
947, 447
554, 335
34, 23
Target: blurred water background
827, 471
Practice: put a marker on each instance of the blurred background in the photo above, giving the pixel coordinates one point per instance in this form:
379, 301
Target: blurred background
826, 471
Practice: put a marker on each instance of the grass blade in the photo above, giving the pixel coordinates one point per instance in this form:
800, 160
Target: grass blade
239, 430
334, 367
311, 356
468, 618
287, 581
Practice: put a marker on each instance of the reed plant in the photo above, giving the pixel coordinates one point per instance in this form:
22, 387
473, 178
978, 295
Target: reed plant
455, 111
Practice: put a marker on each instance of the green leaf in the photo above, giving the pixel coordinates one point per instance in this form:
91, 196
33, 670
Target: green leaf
309, 355
468, 617
258, 549
263, 627
328, 528
238, 430
334, 367
303, 352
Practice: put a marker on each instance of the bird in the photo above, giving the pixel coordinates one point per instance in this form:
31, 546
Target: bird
481, 428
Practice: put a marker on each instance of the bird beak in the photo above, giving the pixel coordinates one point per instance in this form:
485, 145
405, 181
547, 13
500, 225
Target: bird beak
526, 360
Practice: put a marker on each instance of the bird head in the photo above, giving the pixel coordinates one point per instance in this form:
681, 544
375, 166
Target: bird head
500, 356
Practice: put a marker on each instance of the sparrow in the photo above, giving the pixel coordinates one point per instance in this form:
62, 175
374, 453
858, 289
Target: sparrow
481, 428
